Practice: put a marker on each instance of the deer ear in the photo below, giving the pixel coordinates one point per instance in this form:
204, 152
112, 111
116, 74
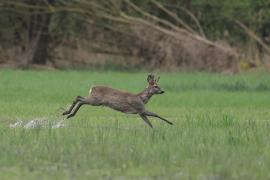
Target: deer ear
151, 79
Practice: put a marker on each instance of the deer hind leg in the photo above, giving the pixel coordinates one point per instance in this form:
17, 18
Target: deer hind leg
82, 101
77, 99
146, 120
148, 113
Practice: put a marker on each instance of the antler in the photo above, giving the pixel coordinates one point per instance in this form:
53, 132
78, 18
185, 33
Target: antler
151, 79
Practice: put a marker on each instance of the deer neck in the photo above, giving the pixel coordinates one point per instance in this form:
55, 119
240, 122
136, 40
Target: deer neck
145, 95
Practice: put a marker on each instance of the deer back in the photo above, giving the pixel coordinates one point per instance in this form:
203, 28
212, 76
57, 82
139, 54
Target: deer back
117, 99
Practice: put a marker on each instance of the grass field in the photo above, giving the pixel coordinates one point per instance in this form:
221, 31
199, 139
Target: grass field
221, 128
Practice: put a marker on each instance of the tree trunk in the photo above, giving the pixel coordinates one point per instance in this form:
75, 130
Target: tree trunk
41, 49
40, 53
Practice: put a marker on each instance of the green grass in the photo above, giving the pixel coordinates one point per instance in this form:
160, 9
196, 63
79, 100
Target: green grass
221, 128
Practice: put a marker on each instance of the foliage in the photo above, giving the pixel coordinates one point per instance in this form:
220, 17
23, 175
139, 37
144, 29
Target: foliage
99, 21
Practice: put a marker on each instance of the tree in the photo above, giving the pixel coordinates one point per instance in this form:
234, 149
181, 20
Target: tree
40, 51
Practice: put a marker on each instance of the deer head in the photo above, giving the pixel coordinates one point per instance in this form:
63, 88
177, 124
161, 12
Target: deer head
153, 85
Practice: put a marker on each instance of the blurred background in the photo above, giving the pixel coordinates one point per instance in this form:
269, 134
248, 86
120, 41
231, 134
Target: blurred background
170, 35
221, 121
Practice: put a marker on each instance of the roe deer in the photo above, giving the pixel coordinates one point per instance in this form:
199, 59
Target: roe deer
119, 100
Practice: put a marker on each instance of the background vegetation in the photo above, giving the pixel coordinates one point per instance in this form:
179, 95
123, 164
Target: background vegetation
173, 35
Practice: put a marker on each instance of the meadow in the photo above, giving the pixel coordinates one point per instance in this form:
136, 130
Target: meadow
221, 127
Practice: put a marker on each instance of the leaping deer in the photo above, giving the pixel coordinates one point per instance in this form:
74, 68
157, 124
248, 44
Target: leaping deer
119, 100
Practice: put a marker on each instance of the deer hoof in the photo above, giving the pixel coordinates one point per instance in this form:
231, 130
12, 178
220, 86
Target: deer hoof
65, 113
69, 116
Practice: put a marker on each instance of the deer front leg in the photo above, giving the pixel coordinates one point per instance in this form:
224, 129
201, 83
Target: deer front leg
78, 98
146, 120
79, 104
148, 113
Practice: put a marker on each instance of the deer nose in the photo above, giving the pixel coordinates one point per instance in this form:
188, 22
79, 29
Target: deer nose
162, 92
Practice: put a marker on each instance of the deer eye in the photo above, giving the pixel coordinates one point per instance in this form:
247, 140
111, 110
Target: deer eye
155, 86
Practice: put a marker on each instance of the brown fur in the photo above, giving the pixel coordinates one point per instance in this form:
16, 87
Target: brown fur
120, 100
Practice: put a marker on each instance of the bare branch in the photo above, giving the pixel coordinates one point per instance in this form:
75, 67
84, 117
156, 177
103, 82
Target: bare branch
193, 17
94, 6
50, 7
155, 18
172, 33
24, 5
173, 15
253, 35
